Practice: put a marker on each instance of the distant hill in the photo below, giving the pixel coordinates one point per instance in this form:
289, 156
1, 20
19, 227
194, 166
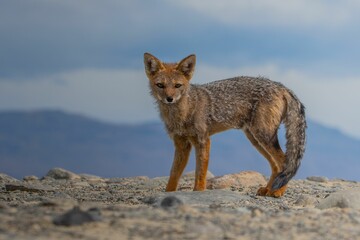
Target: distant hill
33, 142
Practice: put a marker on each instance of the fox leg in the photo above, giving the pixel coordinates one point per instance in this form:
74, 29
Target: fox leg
202, 162
182, 152
272, 151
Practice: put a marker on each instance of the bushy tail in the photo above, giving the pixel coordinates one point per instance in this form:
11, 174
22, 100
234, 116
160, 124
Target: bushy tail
295, 124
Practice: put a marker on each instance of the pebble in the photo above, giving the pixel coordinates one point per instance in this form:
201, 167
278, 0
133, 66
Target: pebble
91, 178
317, 179
170, 202
26, 187
191, 174
76, 216
30, 178
205, 198
243, 179
59, 173
305, 201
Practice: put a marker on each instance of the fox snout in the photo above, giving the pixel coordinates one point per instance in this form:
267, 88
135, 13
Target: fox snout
169, 99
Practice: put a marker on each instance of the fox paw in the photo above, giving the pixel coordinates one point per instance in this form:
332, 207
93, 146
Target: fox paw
278, 192
264, 191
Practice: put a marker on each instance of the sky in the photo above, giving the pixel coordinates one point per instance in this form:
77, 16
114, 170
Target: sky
86, 56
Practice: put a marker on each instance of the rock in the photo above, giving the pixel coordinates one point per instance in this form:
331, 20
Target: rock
27, 187
243, 179
59, 173
3, 205
156, 183
170, 202
204, 198
305, 201
91, 178
317, 179
30, 178
191, 174
80, 184
342, 199
127, 180
6, 178
55, 202
205, 230
76, 217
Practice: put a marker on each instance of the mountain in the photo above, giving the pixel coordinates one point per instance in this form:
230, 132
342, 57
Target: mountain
33, 142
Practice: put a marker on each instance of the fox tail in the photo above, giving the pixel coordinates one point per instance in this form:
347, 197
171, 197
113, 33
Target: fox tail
295, 124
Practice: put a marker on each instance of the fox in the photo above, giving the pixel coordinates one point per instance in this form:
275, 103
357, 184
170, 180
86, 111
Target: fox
192, 113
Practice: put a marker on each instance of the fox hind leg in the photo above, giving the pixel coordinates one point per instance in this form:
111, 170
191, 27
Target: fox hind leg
202, 149
269, 147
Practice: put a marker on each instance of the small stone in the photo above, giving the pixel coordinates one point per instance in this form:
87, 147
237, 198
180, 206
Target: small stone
91, 178
191, 174
76, 217
317, 179
54, 202
237, 180
256, 212
127, 180
170, 202
78, 184
204, 198
342, 199
3, 205
305, 200
59, 173
26, 187
30, 178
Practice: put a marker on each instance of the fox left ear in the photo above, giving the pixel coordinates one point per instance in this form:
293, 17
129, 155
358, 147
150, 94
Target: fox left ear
187, 66
152, 64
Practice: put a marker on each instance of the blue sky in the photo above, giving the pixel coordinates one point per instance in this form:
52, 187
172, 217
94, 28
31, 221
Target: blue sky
85, 56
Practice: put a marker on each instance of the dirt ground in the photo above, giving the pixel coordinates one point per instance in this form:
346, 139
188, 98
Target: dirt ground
71, 206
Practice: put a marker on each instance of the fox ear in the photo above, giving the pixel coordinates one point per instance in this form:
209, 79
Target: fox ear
187, 66
152, 64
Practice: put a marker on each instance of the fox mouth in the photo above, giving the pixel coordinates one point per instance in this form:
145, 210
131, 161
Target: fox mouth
170, 100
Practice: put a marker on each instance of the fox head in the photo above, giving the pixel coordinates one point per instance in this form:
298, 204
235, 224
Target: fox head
169, 81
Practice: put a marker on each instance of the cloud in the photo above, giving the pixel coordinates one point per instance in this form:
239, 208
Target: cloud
123, 96
111, 95
47, 37
44, 37
85, 56
294, 13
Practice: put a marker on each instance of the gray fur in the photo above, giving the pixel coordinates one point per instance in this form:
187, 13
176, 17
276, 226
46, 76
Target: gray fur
192, 113
234, 103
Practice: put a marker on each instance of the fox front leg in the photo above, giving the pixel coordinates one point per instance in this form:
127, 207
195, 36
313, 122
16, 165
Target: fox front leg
181, 158
202, 161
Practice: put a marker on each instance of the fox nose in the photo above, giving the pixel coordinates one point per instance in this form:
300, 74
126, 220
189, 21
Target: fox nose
169, 99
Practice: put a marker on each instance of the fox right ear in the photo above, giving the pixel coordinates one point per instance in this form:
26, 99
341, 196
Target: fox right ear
152, 64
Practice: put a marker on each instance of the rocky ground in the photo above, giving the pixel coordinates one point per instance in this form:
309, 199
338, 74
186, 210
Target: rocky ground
64, 205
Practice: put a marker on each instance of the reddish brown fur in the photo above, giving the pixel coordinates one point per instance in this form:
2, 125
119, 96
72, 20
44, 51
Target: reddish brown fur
192, 113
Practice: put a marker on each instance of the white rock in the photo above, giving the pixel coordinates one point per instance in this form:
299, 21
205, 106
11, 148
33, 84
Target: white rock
342, 199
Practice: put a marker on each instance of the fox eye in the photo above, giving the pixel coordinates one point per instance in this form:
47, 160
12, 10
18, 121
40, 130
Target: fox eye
178, 85
160, 85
